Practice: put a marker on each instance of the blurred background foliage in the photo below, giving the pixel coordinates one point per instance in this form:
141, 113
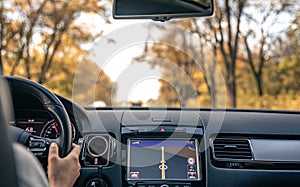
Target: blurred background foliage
43, 40
256, 44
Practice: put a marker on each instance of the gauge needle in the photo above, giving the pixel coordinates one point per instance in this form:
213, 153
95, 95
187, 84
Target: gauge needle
163, 163
55, 128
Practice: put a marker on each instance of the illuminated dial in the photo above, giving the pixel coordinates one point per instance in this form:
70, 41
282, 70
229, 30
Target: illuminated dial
51, 130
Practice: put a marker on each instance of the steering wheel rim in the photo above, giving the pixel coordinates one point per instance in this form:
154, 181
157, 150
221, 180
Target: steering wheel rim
52, 105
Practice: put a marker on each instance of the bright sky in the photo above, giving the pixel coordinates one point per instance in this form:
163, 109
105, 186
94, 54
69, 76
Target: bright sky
114, 52
136, 81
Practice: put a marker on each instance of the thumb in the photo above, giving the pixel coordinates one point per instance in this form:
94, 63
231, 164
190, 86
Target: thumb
53, 150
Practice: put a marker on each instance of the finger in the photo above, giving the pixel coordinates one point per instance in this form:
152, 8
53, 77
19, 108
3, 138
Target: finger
53, 150
76, 150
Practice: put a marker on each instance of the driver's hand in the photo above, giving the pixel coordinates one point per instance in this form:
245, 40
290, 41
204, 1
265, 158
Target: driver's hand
63, 172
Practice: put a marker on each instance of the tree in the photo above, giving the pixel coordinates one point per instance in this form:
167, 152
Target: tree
223, 35
209, 69
42, 40
284, 67
257, 55
180, 81
54, 23
226, 29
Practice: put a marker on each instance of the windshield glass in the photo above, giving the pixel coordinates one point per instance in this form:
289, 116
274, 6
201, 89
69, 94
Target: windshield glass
245, 56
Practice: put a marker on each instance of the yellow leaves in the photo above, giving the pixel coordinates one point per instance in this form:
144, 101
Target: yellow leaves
270, 102
184, 24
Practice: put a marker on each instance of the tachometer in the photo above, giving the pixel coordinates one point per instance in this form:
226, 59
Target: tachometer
51, 130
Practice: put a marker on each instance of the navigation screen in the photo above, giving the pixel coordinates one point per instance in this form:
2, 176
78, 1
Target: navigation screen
163, 159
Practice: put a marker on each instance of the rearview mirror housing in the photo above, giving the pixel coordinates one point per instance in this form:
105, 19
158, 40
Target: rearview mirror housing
162, 10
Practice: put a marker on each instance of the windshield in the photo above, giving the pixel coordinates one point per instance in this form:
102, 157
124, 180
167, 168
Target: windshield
245, 56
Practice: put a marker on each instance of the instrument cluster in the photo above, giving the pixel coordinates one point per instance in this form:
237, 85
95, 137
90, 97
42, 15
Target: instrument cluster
46, 128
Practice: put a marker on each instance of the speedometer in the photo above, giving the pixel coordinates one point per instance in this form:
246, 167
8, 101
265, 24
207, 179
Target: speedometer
51, 130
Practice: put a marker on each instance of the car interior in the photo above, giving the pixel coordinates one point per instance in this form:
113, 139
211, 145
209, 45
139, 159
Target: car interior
154, 146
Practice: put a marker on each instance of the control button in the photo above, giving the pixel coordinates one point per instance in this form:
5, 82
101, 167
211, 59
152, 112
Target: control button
163, 129
191, 161
141, 185
192, 175
35, 143
134, 175
96, 182
164, 185
37, 146
186, 185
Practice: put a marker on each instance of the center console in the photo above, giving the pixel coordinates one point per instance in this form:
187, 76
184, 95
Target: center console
163, 156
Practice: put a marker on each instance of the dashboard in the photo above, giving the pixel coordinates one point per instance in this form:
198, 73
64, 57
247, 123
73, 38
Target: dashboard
142, 147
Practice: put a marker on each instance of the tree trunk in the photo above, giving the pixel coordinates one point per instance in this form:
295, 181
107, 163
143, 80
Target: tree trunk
1, 65
232, 93
259, 85
1, 37
257, 72
213, 86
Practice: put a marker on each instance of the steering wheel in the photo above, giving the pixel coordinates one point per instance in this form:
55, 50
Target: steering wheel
39, 146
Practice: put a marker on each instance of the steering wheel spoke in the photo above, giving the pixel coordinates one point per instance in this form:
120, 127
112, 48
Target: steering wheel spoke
38, 146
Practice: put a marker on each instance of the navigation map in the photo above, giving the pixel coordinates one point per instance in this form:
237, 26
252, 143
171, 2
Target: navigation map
161, 159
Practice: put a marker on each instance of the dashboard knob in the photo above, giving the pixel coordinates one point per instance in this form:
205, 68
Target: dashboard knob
164, 185
96, 182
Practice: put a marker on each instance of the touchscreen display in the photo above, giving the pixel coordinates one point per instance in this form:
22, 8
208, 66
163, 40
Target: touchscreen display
163, 159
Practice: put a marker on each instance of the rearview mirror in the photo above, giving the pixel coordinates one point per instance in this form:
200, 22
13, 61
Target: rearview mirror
162, 10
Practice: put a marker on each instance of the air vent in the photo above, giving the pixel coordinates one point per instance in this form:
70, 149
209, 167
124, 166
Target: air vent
227, 148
